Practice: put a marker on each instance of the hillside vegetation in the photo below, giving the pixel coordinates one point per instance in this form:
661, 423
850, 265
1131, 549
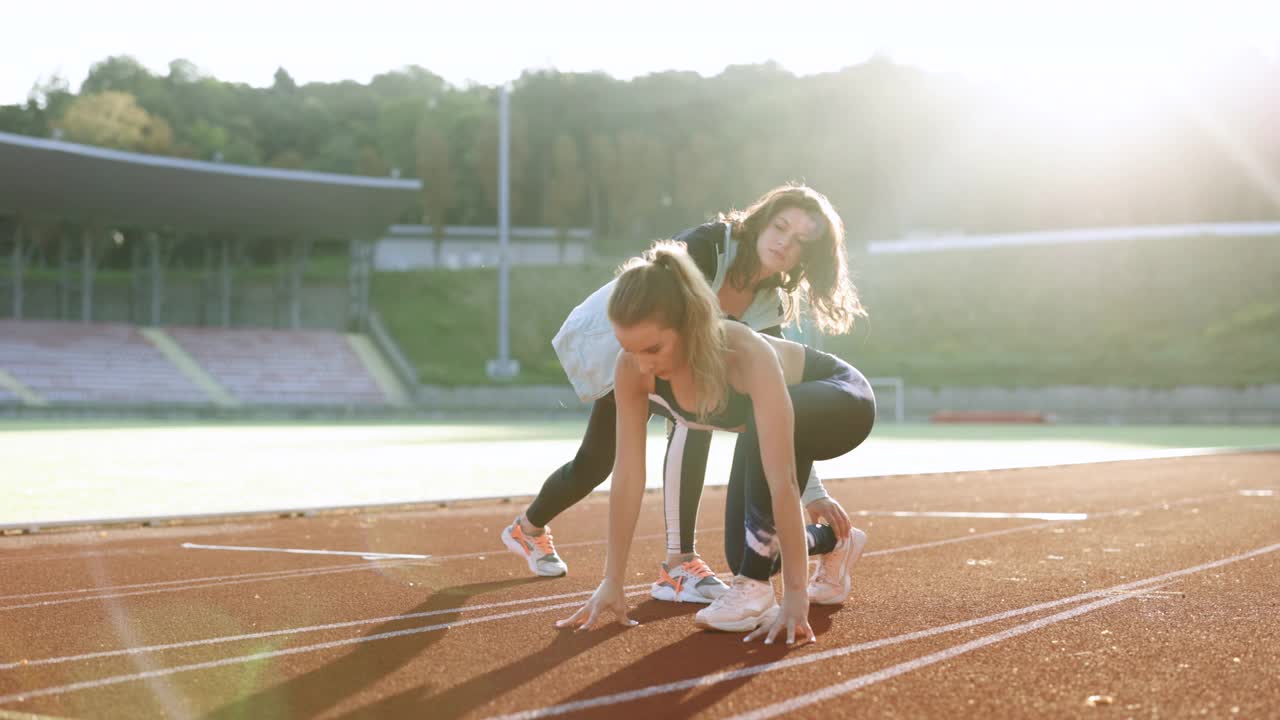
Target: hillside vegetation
1138, 313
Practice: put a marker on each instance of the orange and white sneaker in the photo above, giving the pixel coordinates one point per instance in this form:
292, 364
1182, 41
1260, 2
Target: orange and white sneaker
690, 581
831, 582
746, 606
537, 550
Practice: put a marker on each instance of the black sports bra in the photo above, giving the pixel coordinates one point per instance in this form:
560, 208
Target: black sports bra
735, 414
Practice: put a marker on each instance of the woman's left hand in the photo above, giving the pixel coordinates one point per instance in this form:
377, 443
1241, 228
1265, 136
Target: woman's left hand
829, 511
793, 616
608, 598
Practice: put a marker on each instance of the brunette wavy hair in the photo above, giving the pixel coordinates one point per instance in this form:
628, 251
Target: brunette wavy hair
820, 279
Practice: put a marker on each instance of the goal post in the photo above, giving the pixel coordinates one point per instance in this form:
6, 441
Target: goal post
897, 388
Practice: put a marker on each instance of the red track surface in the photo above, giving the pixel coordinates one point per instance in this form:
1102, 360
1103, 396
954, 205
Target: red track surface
950, 616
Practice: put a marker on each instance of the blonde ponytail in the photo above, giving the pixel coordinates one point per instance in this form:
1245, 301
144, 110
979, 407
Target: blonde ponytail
665, 286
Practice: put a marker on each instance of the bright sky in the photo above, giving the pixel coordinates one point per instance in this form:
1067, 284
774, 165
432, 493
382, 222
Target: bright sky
493, 41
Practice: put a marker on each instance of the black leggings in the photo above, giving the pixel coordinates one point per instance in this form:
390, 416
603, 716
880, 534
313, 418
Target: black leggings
834, 411
683, 471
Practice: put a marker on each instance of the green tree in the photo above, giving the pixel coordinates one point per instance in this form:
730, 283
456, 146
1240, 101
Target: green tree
604, 182
484, 163
435, 170
564, 196
114, 119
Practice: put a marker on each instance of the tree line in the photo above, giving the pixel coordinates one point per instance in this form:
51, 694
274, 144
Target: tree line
899, 150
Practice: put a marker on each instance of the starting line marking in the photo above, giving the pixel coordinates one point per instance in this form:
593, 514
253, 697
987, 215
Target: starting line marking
982, 515
1138, 585
300, 551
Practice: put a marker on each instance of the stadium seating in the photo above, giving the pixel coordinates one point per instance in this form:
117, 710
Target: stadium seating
90, 364
105, 364
281, 367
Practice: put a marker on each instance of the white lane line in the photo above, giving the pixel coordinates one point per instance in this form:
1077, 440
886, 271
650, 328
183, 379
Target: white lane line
654, 690
1137, 587
559, 546
302, 551
960, 539
312, 628
239, 578
1162, 505
290, 574
240, 660
795, 703
981, 515
293, 572
210, 578
341, 568
1258, 493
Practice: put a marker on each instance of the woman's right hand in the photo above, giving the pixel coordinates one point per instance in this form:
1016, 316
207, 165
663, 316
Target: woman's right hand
792, 618
607, 598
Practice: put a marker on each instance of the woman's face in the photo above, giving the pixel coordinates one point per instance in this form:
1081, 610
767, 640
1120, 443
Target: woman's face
783, 241
655, 347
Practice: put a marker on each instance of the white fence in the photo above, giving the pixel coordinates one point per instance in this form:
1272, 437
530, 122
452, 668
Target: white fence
409, 247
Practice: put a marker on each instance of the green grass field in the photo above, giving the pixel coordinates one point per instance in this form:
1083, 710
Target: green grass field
88, 470
1138, 313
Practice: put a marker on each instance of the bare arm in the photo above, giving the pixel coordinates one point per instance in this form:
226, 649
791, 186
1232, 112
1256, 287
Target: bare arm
627, 489
631, 395
762, 375
775, 423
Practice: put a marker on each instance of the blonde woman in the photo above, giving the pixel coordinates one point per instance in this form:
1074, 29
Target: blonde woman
792, 404
760, 262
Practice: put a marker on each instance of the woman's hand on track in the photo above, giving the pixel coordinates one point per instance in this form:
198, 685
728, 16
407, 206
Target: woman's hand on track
793, 617
607, 598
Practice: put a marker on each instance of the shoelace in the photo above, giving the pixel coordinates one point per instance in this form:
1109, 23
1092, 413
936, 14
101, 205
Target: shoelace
736, 597
738, 594
696, 568
543, 542
820, 574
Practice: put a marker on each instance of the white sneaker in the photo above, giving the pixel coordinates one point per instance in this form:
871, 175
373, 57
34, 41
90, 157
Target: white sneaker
831, 582
747, 605
537, 550
690, 581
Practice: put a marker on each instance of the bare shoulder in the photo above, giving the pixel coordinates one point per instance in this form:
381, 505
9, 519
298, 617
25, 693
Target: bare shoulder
748, 351
741, 338
628, 378
755, 350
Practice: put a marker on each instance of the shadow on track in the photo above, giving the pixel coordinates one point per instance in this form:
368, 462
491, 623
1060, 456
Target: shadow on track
313, 693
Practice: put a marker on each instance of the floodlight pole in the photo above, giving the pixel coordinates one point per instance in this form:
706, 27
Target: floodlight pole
19, 254
504, 367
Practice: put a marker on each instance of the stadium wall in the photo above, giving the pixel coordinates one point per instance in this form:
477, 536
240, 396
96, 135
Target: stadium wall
1064, 404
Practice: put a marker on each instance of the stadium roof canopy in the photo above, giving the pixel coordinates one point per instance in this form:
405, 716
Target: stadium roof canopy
52, 178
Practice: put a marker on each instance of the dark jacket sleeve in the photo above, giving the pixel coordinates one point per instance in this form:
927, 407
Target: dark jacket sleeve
701, 241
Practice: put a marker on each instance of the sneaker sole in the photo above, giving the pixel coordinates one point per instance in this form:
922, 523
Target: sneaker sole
859, 541
743, 625
514, 546
666, 593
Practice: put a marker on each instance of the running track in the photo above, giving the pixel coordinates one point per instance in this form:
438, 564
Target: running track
1134, 589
